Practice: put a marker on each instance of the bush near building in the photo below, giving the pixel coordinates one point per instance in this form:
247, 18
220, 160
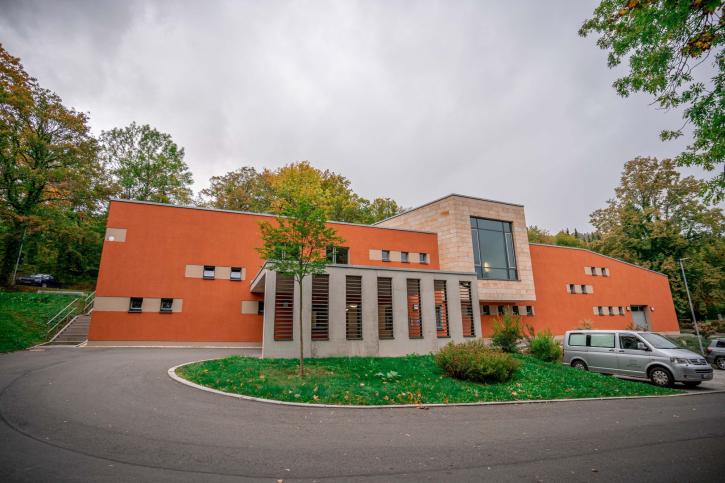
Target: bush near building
544, 347
473, 361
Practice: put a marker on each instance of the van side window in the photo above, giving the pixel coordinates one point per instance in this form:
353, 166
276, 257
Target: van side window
720, 343
601, 340
629, 341
577, 339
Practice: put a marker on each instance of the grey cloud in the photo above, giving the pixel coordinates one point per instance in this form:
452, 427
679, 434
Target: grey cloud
411, 100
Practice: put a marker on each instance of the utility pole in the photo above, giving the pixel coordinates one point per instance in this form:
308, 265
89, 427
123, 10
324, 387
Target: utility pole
692, 310
20, 253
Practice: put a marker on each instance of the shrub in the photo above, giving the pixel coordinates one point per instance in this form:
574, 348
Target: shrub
473, 361
507, 332
544, 347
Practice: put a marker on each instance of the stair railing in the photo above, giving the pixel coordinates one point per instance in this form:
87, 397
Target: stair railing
62, 317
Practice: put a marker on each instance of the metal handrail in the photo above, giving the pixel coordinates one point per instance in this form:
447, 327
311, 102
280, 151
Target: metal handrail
77, 306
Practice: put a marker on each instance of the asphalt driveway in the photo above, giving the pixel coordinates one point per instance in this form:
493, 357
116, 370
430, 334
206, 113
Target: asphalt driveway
98, 414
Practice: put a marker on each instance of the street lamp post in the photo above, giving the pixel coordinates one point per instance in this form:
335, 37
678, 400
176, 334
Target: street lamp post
692, 310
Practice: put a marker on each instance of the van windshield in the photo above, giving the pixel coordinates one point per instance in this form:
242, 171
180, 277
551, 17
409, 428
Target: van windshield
658, 341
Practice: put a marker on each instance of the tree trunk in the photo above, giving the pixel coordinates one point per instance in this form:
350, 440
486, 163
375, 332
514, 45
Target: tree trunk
302, 335
11, 251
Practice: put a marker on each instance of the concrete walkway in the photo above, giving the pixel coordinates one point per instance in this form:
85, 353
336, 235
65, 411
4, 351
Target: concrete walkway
94, 414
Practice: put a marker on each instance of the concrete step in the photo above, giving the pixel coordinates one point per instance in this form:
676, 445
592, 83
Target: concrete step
75, 333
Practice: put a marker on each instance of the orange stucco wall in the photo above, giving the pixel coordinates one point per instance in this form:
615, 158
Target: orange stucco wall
557, 310
162, 240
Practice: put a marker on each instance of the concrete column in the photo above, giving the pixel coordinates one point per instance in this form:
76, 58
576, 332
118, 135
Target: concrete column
370, 312
454, 309
337, 306
427, 303
268, 342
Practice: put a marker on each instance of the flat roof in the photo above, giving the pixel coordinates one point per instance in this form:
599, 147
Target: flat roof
220, 210
600, 254
446, 197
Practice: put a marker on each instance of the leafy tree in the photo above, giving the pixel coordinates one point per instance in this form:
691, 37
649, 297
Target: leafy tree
146, 164
665, 41
295, 245
563, 238
656, 218
246, 189
539, 235
242, 190
48, 163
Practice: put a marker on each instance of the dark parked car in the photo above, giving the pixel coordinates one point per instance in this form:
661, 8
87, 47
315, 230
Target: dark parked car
715, 353
39, 280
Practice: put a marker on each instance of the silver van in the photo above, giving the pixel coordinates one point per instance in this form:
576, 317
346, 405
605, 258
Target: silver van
635, 354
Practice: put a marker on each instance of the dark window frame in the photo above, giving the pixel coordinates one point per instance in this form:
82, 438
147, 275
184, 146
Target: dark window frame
208, 268
132, 308
169, 309
234, 270
385, 255
333, 252
423, 258
478, 225
404, 257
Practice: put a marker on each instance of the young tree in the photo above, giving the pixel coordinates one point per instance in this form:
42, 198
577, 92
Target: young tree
655, 219
146, 164
665, 42
296, 246
48, 162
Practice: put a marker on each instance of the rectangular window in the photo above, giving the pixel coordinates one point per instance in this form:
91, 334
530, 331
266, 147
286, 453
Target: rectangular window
423, 257
260, 307
353, 307
404, 257
612, 311
385, 308
235, 274
320, 317
515, 309
501, 310
594, 271
209, 272
572, 288
134, 305
621, 310
529, 310
600, 310
415, 321
494, 256
338, 255
441, 304
577, 339
283, 307
166, 306
464, 291
584, 289
605, 272
601, 340
486, 309
386, 255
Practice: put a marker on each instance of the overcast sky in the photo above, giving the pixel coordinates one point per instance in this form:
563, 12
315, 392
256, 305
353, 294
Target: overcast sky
409, 100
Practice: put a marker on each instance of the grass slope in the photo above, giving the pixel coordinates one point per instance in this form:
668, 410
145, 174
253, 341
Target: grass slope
23, 317
366, 381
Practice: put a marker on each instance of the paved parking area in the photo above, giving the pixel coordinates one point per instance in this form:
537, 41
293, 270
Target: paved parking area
98, 414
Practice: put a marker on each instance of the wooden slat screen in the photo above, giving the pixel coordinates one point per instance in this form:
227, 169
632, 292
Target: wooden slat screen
283, 307
441, 301
320, 307
353, 307
385, 308
469, 328
415, 322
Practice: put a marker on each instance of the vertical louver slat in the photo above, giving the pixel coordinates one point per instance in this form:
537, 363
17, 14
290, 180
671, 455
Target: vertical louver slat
415, 322
469, 328
320, 307
441, 300
283, 307
385, 308
353, 307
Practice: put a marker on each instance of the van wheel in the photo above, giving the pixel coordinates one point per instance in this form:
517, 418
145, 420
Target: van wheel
720, 363
579, 364
660, 377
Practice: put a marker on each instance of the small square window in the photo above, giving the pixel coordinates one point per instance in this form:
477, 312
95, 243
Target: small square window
594, 271
600, 310
386, 255
235, 274
500, 310
260, 307
404, 257
572, 288
612, 311
529, 310
209, 272
584, 289
166, 306
135, 304
486, 309
515, 309
605, 272
621, 310
423, 258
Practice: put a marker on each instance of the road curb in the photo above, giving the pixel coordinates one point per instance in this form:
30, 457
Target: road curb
173, 375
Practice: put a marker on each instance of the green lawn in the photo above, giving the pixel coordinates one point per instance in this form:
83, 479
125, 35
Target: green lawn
23, 317
365, 381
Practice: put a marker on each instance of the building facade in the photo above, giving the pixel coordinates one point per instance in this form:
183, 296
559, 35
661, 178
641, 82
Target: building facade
444, 271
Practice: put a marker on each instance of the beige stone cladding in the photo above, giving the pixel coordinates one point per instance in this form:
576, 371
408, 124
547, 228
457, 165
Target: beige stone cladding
449, 217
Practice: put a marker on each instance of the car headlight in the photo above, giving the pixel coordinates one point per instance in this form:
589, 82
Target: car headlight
679, 360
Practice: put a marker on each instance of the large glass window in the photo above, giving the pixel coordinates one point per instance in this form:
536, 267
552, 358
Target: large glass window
493, 249
338, 255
